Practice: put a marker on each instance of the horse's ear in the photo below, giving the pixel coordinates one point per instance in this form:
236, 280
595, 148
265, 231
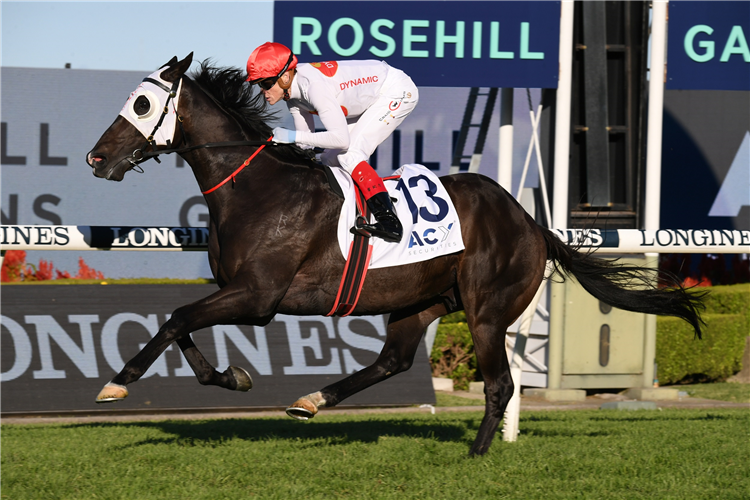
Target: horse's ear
176, 68
171, 62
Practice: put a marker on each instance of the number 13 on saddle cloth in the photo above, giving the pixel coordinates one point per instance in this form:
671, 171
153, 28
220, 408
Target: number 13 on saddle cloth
430, 221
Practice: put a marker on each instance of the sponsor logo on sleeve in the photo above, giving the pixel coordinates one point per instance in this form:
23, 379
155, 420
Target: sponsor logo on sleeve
328, 68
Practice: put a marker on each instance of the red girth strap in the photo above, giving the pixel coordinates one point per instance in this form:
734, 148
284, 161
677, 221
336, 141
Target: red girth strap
355, 270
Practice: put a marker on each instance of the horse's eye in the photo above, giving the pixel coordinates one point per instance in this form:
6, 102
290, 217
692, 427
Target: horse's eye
142, 105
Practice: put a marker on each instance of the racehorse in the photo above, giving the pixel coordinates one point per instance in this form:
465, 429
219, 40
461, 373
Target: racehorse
218, 123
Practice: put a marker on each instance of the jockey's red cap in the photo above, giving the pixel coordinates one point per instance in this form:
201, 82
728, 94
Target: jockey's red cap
268, 61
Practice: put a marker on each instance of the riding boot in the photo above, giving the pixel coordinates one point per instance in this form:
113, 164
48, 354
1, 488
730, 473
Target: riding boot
387, 227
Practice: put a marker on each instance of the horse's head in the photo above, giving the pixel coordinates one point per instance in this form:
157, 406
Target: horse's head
148, 119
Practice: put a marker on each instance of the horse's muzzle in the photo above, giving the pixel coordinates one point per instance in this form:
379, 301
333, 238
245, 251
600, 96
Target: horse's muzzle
96, 161
100, 166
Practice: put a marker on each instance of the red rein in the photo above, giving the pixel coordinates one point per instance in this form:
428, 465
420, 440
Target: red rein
233, 174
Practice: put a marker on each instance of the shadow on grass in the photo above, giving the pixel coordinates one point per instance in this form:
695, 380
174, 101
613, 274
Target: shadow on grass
207, 432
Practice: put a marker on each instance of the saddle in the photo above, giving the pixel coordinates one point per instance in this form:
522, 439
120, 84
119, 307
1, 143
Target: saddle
430, 222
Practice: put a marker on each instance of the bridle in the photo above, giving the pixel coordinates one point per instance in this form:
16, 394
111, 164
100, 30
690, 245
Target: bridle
140, 155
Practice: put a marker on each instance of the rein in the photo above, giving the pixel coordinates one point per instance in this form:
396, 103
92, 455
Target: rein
139, 155
233, 174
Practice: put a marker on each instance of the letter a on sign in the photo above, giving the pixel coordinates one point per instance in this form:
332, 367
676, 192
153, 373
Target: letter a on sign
735, 190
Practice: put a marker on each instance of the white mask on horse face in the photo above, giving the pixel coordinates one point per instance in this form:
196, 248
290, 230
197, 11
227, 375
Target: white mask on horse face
146, 106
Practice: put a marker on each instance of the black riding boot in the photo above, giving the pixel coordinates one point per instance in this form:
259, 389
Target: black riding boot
387, 227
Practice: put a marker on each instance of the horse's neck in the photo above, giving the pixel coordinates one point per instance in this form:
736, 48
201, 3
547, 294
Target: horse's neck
209, 124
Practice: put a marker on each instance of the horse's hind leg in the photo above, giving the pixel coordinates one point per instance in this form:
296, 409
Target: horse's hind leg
489, 346
405, 330
488, 317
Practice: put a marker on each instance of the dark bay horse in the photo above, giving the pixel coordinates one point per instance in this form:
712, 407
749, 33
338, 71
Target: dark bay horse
262, 271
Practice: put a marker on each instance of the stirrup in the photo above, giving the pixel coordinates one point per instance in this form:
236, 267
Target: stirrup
360, 227
377, 231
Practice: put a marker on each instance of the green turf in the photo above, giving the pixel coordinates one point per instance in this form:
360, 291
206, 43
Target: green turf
667, 454
444, 399
720, 391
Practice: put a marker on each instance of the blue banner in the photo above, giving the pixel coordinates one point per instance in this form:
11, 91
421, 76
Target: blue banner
438, 44
708, 46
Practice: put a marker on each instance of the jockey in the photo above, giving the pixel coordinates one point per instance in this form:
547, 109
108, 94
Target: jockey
360, 104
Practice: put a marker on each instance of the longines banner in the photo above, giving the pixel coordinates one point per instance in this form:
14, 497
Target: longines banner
103, 238
438, 44
61, 344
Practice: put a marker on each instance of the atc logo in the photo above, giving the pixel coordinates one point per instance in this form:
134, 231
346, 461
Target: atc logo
328, 68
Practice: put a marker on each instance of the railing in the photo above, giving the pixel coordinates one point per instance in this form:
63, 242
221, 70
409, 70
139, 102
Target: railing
614, 241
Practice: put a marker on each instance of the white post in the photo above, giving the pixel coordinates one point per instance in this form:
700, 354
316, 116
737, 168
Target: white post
505, 153
559, 215
513, 410
655, 114
562, 118
560, 188
657, 75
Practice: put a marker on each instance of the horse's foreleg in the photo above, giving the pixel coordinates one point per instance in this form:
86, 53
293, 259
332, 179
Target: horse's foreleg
233, 378
116, 389
222, 307
405, 330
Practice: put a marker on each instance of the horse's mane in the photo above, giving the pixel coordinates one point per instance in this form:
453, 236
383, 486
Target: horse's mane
228, 89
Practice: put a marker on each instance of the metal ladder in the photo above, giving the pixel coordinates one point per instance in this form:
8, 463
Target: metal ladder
458, 155
484, 125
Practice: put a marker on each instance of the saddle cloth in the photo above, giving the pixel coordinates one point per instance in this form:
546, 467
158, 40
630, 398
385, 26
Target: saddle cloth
430, 221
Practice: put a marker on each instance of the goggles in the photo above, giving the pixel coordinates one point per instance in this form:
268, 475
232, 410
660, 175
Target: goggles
268, 83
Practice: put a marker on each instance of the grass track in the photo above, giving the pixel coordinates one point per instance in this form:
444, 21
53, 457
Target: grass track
666, 454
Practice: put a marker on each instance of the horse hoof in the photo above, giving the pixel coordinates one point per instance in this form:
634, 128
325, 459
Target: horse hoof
111, 393
302, 409
244, 380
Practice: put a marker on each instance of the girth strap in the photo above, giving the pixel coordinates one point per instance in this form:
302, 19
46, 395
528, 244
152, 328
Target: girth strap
355, 270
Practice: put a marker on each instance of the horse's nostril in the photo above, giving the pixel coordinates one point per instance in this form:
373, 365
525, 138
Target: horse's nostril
94, 159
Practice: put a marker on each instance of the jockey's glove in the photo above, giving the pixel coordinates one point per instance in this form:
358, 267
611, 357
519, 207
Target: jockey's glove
284, 136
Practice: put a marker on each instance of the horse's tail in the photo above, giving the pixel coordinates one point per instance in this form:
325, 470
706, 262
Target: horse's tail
628, 287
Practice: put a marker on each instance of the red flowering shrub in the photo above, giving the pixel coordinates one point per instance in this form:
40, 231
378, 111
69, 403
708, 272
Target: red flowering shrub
45, 271
15, 268
690, 281
87, 273
62, 275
